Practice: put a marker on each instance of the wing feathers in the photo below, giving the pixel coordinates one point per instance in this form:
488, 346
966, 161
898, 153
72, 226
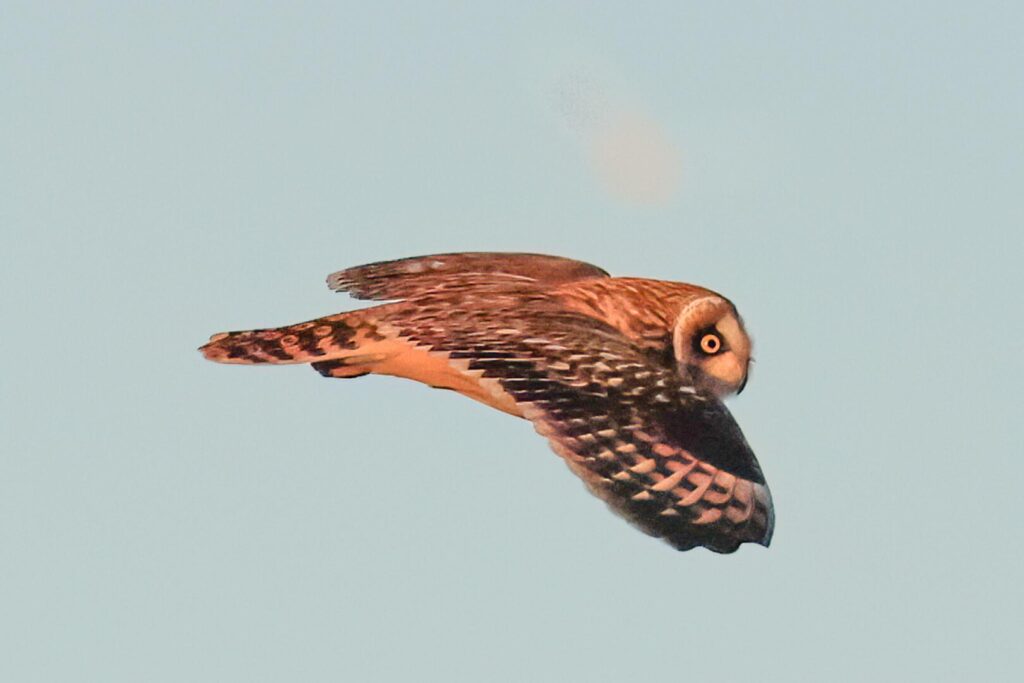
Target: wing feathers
408, 277
671, 461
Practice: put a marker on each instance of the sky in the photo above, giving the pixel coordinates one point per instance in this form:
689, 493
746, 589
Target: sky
849, 174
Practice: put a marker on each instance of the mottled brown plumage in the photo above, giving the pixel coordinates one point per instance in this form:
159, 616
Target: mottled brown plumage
622, 375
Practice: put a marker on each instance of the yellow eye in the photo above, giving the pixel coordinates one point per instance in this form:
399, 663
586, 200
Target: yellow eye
710, 344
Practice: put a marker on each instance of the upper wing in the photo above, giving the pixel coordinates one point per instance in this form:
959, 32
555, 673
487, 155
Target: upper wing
411, 276
669, 459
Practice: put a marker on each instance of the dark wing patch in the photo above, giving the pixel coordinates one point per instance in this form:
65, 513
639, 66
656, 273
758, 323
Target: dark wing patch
668, 459
409, 277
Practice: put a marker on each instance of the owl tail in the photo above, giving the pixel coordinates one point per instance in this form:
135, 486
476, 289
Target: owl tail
344, 343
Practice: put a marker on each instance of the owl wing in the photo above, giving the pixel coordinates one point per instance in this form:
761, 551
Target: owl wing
668, 459
408, 277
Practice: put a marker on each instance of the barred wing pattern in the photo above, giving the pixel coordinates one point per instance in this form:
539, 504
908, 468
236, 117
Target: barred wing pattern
668, 459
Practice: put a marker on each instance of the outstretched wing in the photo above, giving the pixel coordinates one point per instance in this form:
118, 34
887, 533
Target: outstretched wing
665, 457
411, 276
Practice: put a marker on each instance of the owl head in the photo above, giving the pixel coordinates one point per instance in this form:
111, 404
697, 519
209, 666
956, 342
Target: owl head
711, 347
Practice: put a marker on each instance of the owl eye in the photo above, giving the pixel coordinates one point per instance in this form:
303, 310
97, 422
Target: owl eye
711, 343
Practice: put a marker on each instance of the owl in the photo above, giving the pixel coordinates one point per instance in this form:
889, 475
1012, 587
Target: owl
624, 376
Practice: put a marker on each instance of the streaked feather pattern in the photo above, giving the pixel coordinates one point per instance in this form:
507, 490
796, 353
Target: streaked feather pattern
554, 341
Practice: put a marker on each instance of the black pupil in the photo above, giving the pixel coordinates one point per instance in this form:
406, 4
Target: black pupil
708, 342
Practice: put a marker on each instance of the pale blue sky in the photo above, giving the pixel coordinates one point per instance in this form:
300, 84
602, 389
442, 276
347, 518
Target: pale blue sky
849, 175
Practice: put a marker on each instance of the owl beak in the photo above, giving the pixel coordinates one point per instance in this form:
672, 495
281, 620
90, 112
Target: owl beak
743, 385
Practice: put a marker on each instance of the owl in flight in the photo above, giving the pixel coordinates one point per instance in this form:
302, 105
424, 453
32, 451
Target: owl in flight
624, 376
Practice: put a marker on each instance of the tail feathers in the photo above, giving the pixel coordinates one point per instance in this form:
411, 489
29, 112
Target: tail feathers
314, 340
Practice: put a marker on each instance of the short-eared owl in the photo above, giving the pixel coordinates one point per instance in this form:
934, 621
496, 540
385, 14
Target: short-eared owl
624, 376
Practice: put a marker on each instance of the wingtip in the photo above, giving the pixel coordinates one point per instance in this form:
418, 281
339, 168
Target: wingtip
336, 281
769, 530
343, 281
